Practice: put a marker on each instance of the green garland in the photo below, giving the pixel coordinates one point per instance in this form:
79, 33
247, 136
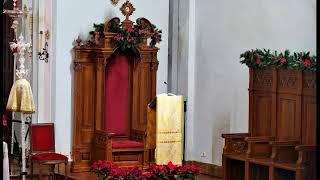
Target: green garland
264, 59
128, 38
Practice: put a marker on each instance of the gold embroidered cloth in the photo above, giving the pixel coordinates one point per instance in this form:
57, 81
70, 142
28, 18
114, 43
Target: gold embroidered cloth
21, 98
169, 138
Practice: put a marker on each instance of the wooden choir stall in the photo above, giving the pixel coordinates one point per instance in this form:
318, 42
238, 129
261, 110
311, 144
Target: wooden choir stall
112, 89
281, 143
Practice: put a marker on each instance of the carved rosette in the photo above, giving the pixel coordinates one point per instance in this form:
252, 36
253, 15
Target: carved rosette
309, 81
288, 79
262, 79
78, 67
101, 139
239, 147
154, 66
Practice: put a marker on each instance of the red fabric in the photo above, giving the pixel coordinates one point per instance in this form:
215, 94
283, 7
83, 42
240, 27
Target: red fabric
126, 144
49, 157
117, 96
42, 137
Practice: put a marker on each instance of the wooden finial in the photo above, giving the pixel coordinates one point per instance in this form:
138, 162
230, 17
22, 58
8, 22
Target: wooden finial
114, 2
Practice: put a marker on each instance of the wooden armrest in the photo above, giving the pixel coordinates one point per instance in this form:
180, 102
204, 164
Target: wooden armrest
307, 155
104, 133
260, 139
306, 148
285, 143
235, 135
138, 134
235, 143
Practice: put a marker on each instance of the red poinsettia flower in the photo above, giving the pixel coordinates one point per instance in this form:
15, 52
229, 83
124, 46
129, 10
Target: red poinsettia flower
97, 35
258, 61
172, 167
118, 37
142, 31
148, 175
130, 30
283, 60
4, 120
130, 39
307, 63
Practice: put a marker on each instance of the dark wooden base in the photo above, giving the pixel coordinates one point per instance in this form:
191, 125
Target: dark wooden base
243, 168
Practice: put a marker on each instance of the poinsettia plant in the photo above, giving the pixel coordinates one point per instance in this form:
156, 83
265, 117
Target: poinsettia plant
263, 59
165, 172
124, 173
170, 171
188, 171
129, 38
103, 168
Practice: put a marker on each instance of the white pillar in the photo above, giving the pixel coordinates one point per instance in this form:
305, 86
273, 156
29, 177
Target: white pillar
191, 78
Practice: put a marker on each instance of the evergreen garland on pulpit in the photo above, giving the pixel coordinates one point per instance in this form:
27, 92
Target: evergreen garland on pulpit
264, 59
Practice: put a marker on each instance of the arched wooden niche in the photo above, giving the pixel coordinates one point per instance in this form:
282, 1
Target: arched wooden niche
90, 62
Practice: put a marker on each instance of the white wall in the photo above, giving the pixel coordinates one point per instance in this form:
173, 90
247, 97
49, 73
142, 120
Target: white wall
77, 17
224, 29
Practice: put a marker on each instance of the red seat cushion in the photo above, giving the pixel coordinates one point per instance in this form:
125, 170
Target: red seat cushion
126, 144
49, 156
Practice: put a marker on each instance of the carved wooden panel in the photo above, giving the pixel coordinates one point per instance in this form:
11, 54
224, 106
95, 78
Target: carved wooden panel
88, 100
289, 81
309, 109
288, 120
84, 100
142, 90
262, 79
262, 115
309, 113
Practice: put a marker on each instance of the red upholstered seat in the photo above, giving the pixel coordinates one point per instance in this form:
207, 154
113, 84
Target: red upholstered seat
49, 157
126, 144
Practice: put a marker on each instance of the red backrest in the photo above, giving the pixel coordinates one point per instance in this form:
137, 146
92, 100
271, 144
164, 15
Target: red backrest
42, 137
117, 95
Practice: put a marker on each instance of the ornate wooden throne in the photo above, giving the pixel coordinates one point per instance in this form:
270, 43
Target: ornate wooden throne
112, 89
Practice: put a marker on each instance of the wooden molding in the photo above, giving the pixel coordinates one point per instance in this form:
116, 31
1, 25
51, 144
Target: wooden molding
208, 169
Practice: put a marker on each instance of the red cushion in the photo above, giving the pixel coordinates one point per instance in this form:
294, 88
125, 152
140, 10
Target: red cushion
117, 95
49, 156
126, 144
42, 137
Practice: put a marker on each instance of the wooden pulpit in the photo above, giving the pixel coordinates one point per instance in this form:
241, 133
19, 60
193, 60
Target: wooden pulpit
111, 92
281, 142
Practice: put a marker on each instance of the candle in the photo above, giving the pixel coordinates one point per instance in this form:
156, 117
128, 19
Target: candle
40, 41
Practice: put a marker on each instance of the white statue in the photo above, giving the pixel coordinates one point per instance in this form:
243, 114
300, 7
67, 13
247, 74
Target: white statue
20, 47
